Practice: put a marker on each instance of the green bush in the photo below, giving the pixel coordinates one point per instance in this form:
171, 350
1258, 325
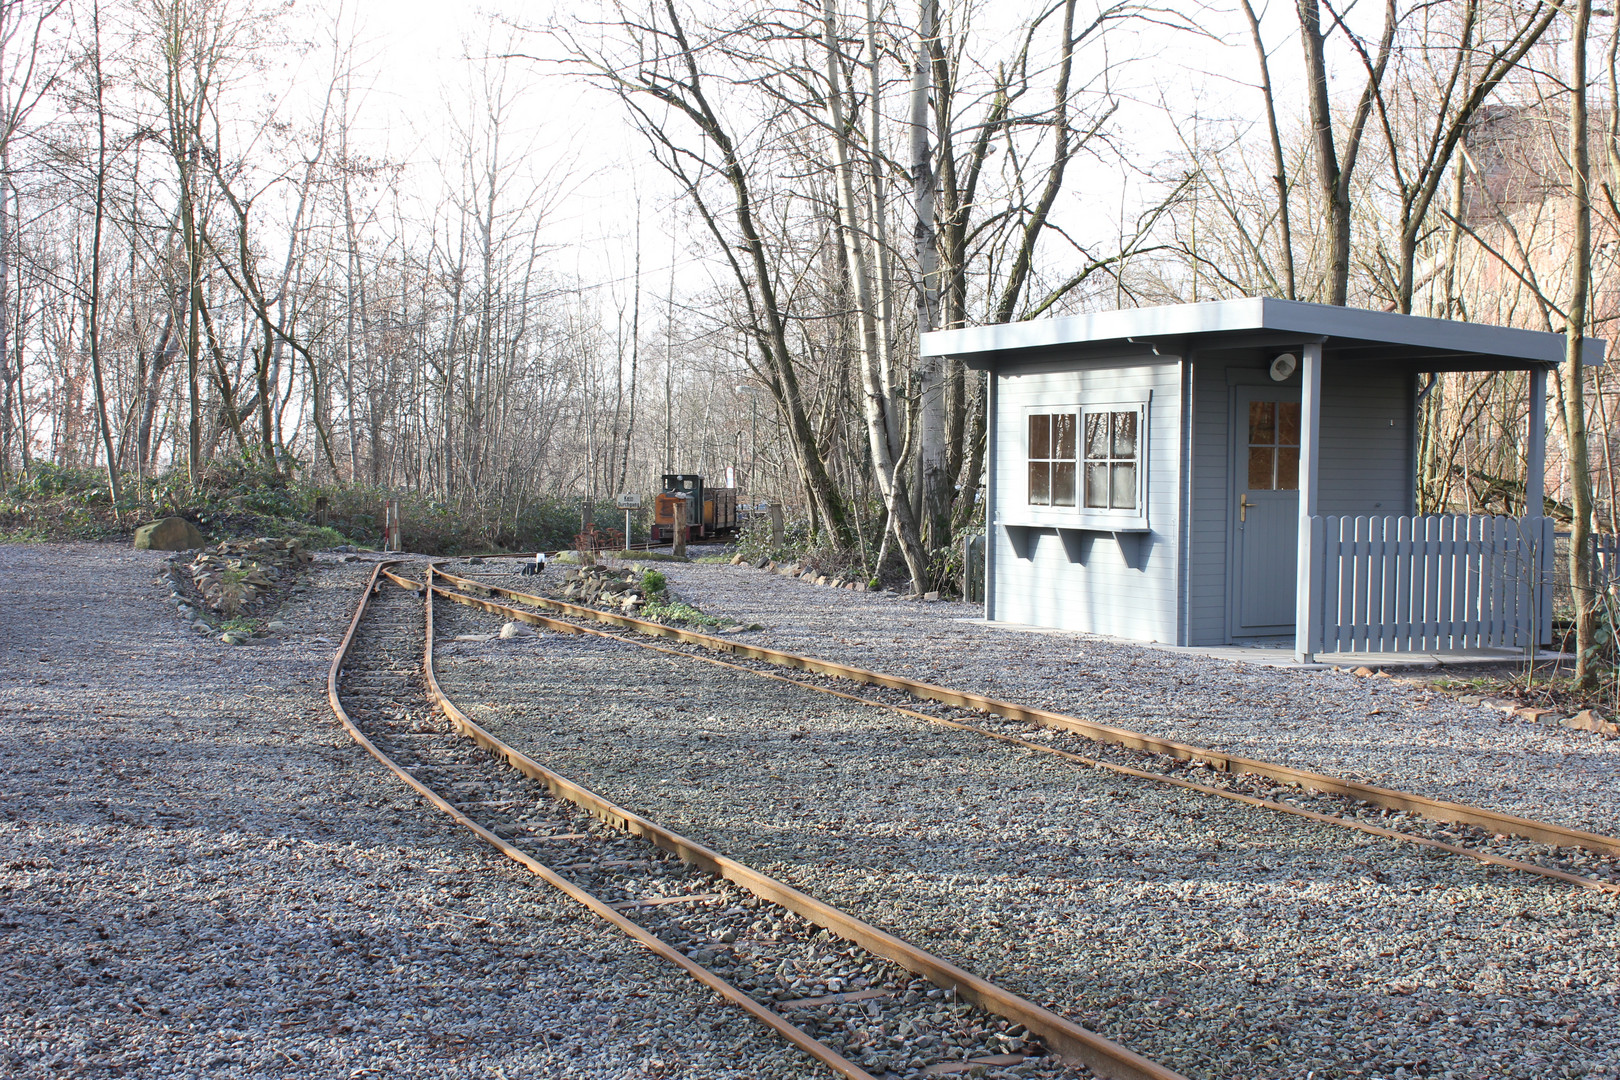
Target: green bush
240, 497
653, 583
677, 611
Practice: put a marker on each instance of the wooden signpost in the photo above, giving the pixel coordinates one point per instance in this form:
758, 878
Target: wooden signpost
629, 503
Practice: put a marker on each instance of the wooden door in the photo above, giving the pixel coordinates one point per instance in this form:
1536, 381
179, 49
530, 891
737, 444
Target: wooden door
1265, 510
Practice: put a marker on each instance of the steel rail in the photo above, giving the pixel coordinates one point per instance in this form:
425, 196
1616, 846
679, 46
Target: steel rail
816, 1049
1124, 770
1389, 798
1066, 1038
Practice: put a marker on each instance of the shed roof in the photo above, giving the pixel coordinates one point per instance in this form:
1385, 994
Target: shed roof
1348, 333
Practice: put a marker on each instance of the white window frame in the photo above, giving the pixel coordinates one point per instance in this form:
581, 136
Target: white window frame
1030, 460
1021, 512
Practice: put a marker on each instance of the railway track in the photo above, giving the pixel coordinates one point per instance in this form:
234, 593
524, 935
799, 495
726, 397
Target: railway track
1582, 859
849, 995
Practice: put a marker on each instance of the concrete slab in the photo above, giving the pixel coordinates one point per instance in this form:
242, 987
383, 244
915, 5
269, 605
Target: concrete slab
1279, 652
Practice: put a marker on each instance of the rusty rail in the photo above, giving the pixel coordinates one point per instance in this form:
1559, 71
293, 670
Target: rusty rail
1075, 1043
1389, 798
1066, 1038
1025, 744
816, 1049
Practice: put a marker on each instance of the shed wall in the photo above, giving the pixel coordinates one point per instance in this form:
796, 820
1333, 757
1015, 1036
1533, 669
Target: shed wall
1090, 581
1366, 465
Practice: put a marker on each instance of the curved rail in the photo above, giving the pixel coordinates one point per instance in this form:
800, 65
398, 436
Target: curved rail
1068, 1039
1389, 798
818, 1050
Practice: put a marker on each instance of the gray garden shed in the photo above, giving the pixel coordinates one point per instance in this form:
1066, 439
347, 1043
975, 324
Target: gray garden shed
1243, 471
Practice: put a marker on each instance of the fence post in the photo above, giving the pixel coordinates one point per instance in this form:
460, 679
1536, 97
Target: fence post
973, 568
678, 539
776, 525
322, 511
391, 531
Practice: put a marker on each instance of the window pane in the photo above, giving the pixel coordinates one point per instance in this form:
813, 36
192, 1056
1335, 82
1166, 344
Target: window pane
1097, 486
1096, 436
1261, 459
1040, 443
1262, 423
1123, 495
1124, 434
1288, 423
1040, 485
1288, 468
1063, 483
1063, 436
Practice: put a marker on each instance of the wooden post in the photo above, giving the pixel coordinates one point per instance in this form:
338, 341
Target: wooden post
391, 532
1542, 562
776, 525
1535, 458
322, 512
627, 528
1308, 583
989, 490
678, 539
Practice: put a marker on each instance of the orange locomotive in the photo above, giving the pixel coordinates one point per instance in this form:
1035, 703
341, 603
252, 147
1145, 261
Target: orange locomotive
709, 511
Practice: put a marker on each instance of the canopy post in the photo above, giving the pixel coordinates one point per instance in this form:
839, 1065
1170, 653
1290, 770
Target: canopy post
1308, 602
1535, 458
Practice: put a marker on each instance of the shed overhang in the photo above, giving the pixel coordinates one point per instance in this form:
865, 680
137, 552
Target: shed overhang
1348, 334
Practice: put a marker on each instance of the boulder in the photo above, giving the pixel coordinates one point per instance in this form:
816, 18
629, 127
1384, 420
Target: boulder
170, 534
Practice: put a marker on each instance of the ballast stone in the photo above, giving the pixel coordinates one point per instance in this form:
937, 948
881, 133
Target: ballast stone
170, 534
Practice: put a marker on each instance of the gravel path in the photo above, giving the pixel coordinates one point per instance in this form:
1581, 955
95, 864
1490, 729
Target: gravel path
200, 875
1373, 730
1217, 940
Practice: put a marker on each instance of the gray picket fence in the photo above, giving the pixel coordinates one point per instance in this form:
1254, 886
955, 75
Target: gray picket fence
1436, 582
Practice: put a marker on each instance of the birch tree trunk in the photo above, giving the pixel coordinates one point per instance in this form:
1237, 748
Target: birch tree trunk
880, 421
935, 477
93, 331
1574, 396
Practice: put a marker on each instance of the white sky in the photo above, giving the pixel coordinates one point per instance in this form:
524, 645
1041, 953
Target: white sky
412, 54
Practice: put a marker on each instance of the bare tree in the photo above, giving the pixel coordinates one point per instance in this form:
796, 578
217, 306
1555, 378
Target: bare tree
1336, 165
27, 74
1581, 579
661, 71
93, 327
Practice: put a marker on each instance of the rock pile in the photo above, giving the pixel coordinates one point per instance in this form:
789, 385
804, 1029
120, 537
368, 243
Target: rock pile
231, 576
604, 587
808, 573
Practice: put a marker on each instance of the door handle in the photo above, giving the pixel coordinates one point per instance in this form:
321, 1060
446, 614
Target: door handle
1243, 507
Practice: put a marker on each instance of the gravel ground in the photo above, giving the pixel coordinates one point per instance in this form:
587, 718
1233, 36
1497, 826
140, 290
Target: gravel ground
200, 875
1217, 940
1373, 730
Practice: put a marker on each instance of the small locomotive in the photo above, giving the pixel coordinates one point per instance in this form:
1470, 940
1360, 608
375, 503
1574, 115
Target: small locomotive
709, 510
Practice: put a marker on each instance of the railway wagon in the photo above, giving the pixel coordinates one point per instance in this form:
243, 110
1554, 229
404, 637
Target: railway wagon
710, 511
